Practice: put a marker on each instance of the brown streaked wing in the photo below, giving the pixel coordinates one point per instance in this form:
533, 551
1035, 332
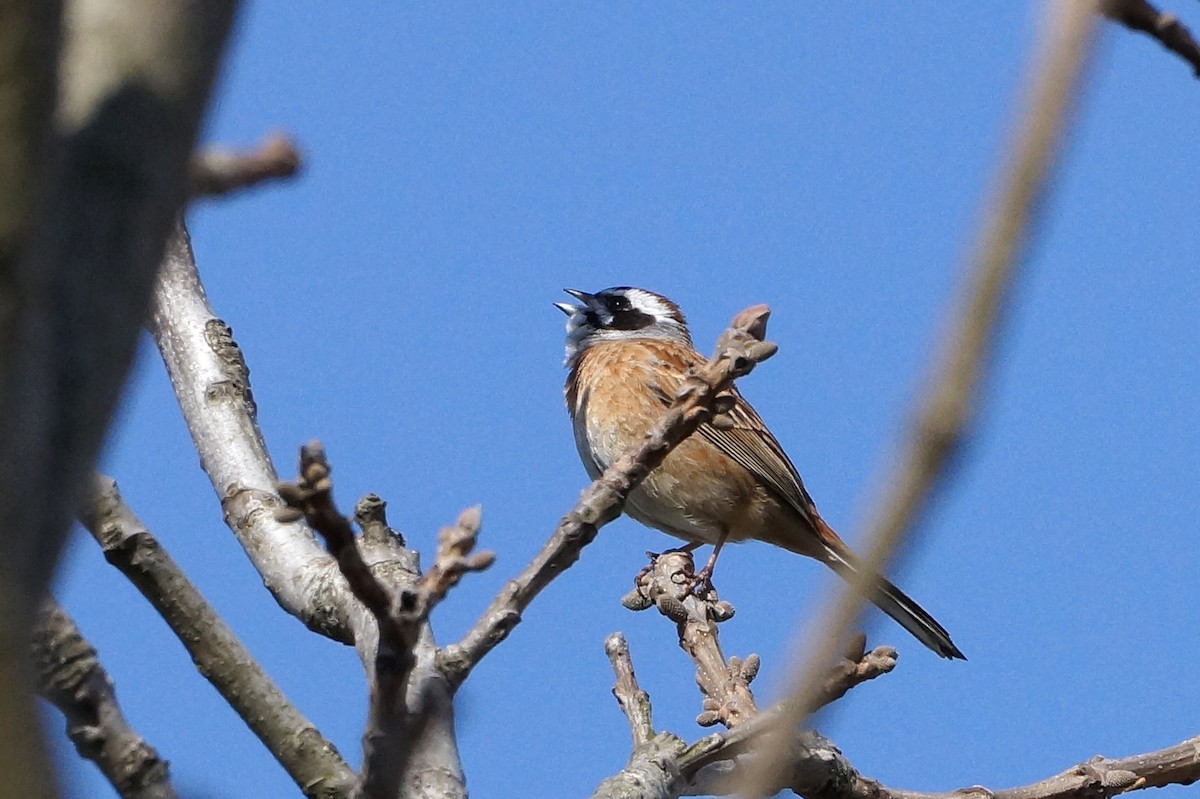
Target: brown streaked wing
751, 444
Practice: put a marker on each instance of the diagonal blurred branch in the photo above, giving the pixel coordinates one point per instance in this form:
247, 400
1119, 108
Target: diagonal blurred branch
309, 759
71, 678
944, 420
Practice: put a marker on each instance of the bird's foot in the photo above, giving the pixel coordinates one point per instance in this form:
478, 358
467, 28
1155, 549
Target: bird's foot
702, 585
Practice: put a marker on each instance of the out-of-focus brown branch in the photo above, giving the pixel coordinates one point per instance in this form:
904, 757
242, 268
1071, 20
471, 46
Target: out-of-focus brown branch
307, 756
392, 728
705, 393
71, 678
100, 102
1165, 28
944, 421
217, 172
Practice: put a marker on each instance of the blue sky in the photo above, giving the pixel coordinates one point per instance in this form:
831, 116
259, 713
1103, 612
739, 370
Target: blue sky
465, 163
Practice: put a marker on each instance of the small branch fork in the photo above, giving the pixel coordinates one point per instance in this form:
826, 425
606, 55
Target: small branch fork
714, 764
704, 396
400, 617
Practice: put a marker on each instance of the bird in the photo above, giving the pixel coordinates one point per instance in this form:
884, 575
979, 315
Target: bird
628, 351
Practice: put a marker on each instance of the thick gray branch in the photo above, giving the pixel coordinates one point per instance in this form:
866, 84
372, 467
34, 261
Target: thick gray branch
212, 384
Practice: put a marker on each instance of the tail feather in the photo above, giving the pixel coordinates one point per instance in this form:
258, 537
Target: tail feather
895, 603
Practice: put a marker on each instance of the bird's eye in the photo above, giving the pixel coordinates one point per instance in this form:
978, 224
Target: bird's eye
620, 304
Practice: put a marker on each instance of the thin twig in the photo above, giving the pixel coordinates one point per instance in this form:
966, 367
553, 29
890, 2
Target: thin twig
856, 667
634, 702
946, 415
311, 498
739, 349
390, 727
218, 172
71, 678
308, 757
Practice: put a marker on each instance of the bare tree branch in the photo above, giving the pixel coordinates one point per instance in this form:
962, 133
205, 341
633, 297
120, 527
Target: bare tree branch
945, 419
391, 729
217, 172
713, 765
667, 584
307, 756
634, 702
211, 382
705, 393
71, 678
1166, 29
666, 767
1100, 777
716, 765
399, 619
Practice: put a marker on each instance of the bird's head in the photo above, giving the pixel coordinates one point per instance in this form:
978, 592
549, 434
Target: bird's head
620, 313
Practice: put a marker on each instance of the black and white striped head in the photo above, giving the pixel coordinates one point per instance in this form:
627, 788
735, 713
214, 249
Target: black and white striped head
620, 313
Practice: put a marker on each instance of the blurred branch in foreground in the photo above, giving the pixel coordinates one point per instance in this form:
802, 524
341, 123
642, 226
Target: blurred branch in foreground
947, 411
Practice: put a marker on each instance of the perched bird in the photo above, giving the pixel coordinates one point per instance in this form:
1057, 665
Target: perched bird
628, 351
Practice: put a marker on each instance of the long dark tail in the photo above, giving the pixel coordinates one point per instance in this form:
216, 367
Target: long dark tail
895, 603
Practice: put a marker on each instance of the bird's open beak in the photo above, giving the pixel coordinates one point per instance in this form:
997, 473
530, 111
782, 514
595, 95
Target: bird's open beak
567, 307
